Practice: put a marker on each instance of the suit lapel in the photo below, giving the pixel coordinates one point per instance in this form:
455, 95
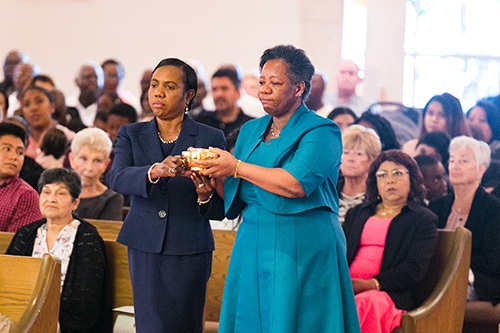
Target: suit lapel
255, 138
289, 135
187, 136
150, 142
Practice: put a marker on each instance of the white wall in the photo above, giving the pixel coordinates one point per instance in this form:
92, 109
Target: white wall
60, 35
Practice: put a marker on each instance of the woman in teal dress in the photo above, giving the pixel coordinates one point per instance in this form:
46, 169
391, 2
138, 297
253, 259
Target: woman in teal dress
288, 270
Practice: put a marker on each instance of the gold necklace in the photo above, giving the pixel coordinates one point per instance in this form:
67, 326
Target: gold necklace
386, 211
272, 131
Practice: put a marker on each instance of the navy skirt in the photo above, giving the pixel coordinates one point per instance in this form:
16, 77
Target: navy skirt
169, 290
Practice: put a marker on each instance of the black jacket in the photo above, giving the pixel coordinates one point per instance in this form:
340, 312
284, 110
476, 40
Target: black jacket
484, 223
86, 297
409, 246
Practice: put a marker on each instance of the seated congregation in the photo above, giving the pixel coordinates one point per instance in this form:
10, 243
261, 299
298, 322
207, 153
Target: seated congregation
421, 218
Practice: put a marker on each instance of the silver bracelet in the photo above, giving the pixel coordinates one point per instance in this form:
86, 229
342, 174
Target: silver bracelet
149, 174
200, 202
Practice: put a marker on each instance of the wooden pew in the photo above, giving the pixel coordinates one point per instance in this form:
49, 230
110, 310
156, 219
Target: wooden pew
30, 292
444, 287
108, 229
117, 257
5, 238
126, 209
120, 276
118, 260
224, 240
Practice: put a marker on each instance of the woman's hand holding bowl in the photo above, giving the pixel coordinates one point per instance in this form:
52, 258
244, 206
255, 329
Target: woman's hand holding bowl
223, 166
169, 167
204, 185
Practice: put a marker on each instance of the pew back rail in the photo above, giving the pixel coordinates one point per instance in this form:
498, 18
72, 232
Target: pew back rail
30, 292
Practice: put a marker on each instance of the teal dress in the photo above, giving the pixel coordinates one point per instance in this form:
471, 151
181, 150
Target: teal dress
288, 270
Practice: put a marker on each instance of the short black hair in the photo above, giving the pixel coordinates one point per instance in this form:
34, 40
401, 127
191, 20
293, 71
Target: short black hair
124, 110
7, 128
440, 141
425, 160
54, 143
60, 175
230, 73
23, 124
383, 128
119, 67
43, 91
102, 116
43, 78
190, 77
300, 67
341, 110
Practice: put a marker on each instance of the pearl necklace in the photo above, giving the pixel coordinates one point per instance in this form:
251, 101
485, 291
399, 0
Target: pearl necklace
168, 142
272, 131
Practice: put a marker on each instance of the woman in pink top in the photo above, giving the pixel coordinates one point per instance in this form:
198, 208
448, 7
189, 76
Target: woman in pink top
37, 105
390, 241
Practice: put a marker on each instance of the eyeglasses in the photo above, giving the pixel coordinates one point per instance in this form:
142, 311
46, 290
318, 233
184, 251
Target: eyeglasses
397, 174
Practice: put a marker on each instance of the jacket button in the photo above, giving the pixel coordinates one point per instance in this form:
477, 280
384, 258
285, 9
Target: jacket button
162, 213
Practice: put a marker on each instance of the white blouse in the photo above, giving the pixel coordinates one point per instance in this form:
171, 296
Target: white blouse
62, 248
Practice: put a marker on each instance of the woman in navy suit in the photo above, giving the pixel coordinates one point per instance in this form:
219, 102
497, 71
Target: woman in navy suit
167, 230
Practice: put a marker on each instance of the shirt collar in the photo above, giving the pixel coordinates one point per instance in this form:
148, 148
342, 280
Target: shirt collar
11, 180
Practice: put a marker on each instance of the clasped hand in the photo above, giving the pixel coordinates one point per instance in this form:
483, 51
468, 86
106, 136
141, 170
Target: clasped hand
172, 167
360, 285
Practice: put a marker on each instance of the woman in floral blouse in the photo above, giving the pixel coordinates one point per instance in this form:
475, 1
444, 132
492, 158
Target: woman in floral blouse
85, 279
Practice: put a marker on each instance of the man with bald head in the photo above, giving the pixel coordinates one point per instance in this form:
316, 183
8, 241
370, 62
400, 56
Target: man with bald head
316, 101
12, 59
23, 73
347, 80
90, 81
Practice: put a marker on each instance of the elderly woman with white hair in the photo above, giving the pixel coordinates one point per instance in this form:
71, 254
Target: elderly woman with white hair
89, 157
361, 147
471, 207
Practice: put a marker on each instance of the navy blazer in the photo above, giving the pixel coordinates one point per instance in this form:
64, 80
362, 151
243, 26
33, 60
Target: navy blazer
163, 217
409, 246
484, 223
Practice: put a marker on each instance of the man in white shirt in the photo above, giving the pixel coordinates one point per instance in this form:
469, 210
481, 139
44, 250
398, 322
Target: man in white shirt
114, 73
90, 80
12, 59
23, 73
250, 105
347, 80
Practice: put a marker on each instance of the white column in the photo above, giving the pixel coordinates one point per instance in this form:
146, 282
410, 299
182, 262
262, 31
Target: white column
385, 50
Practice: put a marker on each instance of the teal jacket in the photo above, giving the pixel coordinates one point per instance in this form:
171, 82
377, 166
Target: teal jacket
309, 148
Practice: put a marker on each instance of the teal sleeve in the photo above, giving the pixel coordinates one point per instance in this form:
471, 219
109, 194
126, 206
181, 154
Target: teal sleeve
316, 158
